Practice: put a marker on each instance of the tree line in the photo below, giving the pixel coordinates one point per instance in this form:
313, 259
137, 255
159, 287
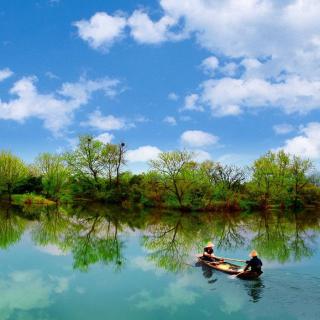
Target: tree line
95, 171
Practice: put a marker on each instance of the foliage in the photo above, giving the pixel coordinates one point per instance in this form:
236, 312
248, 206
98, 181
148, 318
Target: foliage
55, 175
94, 171
12, 172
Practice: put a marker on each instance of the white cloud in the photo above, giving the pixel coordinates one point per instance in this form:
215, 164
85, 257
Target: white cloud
210, 64
291, 95
55, 109
51, 75
278, 42
307, 143
5, 74
191, 103
98, 121
270, 49
198, 138
229, 69
173, 96
144, 30
201, 155
287, 32
170, 120
105, 137
143, 154
254, 31
101, 30
283, 128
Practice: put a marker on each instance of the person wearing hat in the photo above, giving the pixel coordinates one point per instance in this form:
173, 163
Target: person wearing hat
255, 264
208, 253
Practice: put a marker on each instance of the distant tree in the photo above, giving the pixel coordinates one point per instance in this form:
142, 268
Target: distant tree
55, 175
232, 177
109, 160
173, 166
280, 178
12, 172
112, 159
120, 160
263, 177
85, 160
299, 169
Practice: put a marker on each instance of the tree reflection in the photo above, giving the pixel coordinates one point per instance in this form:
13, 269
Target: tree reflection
172, 239
96, 234
281, 238
12, 226
96, 242
51, 224
229, 231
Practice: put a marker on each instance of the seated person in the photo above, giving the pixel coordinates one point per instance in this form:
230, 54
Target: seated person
208, 253
254, 264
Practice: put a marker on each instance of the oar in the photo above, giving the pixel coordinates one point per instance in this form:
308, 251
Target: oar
236, 275
231, 259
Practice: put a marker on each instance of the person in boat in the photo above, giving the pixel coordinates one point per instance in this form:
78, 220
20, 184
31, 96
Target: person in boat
254, 264
208, 253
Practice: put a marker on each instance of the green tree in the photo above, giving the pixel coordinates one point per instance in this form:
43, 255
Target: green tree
12, 172
299, 169
55, 175
85, 160
173, 167
109, 160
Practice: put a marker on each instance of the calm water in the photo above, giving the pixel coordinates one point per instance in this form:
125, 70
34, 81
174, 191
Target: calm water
99, 263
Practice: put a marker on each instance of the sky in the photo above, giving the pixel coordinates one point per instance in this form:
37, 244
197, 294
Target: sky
228, 80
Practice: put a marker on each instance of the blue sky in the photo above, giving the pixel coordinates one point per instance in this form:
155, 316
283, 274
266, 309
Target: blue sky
229, 80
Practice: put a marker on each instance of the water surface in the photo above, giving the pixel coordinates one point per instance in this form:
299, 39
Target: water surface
108, 263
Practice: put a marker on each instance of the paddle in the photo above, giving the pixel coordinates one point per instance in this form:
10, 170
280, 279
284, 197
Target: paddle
231, 259
236, 275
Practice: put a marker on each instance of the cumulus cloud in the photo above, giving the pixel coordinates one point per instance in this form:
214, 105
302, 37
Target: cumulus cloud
291, 40
105, 137
229, 96
173, 96
5, 74
198, 138
279, 57
201, 155
192, 103
143, 154
170, 120
101, 30
307, 143
144, 30
270, 51
254, 31
210, 64
55, 109
100, 122
283, 128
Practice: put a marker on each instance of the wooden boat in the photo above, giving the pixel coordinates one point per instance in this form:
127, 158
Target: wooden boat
229, 268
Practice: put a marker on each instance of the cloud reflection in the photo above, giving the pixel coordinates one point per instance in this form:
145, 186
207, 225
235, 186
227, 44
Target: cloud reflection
23, 291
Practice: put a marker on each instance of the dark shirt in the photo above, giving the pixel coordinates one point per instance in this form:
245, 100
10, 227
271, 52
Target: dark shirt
254, 264
208, 250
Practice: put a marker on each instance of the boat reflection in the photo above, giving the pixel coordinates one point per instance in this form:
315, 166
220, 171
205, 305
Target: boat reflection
253, 288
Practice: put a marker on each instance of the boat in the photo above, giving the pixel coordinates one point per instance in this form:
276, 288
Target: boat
229, 268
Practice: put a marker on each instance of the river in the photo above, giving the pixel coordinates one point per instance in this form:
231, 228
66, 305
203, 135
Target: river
96, 262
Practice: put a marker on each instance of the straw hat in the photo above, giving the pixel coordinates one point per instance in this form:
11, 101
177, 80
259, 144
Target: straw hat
209, 245
253, 253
